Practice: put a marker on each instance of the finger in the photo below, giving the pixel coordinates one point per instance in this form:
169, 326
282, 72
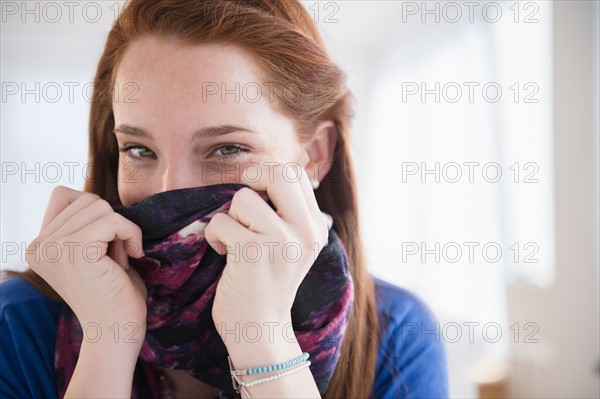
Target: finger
116, 250
280, 181
250, 210
138, 281
309, 196
113, 227
64, 203
223, 232
82, 216
323, 220
60, 199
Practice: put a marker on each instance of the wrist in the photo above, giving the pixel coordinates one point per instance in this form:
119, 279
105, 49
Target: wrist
257, 344
111, 351
125, 337
237, 332
104, 369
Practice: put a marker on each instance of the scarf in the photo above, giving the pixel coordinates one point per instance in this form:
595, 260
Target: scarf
181, 272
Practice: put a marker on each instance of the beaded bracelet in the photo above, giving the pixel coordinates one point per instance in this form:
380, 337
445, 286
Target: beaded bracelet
292, 366
272, 367
240, 386
275, 376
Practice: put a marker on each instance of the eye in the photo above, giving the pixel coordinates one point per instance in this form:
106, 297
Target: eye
231, 150
137, 151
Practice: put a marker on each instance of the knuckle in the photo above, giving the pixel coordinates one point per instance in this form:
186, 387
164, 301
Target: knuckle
216, 219
245, 192
115, 219
220, 216
137, 229
60, 191
91, 196
241, 195
103, 205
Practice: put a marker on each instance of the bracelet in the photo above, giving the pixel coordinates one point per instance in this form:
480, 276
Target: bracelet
276, 376
241, 385
272, 367
292, 366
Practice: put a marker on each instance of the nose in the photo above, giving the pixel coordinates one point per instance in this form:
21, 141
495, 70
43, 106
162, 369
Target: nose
178, 175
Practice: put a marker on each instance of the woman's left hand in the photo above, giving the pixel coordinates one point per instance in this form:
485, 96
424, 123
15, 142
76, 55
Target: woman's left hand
268, 252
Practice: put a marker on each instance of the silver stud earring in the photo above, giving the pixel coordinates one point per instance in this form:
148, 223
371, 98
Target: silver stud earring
315, 184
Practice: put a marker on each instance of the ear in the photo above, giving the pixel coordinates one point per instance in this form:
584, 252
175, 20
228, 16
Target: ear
319, 151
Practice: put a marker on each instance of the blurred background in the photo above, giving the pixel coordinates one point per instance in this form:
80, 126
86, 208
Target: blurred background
476, 147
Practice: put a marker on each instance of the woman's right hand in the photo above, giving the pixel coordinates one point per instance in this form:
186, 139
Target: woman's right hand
81, 252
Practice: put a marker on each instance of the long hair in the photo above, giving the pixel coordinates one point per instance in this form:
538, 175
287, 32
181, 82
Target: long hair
284, 41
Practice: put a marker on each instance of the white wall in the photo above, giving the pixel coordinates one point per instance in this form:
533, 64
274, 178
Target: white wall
565, 361
47, 71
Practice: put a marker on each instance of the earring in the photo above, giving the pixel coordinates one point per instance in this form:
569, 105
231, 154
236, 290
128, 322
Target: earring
315, 184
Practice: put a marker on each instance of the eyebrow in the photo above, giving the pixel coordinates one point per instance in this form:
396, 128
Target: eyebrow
210, 131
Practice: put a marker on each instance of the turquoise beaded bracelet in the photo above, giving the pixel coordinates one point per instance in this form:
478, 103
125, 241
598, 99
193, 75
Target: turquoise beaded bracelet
272, 367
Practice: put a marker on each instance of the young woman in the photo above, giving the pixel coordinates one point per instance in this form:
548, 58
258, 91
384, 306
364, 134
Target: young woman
217, 86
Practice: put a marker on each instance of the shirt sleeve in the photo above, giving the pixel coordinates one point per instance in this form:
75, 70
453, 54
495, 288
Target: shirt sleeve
27, 343
411, 359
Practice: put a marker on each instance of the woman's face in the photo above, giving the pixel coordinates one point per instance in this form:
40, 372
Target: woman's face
195, 120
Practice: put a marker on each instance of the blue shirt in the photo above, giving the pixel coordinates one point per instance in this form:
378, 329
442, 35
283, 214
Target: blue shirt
411, 360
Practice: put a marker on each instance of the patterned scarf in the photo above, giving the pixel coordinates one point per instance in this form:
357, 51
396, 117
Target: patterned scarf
181, 272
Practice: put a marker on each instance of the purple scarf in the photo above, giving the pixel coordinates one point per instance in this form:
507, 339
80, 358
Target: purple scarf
181, 272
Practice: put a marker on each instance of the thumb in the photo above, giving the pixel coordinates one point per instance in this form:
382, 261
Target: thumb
138, 281
117, 252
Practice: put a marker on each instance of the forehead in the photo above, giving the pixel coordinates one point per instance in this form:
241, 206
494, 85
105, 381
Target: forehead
204, 84
172, 62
